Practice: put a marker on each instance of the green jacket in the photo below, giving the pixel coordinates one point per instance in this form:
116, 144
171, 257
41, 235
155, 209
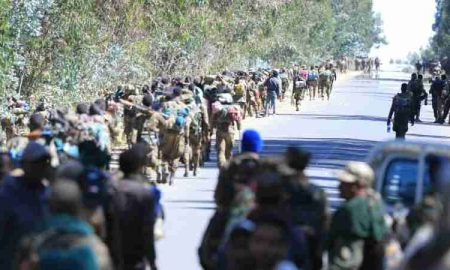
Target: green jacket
356, 221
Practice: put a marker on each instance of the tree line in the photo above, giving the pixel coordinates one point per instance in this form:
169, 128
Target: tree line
72, 50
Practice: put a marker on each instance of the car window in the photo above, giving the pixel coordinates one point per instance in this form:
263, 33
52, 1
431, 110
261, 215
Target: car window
399, 185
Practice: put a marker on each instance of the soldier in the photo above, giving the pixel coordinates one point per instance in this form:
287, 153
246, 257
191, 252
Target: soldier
252, 96
174, 139
226, 120
358, 226
240, 95
312, 82
415, 86
199, 126
284, 83
402, 109
436, 91
325, 82
129, 115
299, 86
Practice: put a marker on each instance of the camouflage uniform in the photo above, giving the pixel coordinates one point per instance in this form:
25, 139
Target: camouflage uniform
198, 128
325, 83
225, 133
174, 143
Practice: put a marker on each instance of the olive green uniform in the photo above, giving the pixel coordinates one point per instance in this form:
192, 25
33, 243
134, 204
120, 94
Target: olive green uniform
356, 229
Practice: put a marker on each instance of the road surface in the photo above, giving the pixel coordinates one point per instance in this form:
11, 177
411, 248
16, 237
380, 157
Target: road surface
336, 131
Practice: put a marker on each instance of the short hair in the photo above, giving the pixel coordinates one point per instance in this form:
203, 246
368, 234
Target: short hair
65, 198
130, 161
37, 121
404, 87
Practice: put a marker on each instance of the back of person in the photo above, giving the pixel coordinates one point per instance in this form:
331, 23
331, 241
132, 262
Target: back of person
357, 230
273, 85
134, 206
67, 244
402, 103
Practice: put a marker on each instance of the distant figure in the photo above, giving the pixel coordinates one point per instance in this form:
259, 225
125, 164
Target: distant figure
419, 67
402, 110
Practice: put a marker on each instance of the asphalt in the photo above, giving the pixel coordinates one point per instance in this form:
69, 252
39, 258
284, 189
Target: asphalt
335, 132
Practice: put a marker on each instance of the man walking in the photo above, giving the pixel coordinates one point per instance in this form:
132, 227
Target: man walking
402, 111
273, 85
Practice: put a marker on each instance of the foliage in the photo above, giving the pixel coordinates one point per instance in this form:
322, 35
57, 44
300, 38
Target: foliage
440, 44
67, 51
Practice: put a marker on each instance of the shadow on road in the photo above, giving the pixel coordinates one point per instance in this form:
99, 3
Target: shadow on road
328, 153
339, 117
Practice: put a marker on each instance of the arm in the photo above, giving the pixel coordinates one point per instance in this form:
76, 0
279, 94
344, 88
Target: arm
391, 112
148, 229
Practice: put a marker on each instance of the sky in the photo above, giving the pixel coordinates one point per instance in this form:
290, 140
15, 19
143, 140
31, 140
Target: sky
407, 26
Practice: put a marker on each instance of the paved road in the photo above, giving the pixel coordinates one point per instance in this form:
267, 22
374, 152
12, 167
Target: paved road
335, 131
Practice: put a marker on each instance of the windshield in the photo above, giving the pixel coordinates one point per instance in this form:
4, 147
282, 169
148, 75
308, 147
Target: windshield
399, 185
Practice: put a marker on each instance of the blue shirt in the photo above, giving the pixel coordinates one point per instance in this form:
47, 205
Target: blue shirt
22, 208
273, 86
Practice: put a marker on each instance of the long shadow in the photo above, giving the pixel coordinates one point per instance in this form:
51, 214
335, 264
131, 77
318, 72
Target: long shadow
339, 117
429, 136
329, 153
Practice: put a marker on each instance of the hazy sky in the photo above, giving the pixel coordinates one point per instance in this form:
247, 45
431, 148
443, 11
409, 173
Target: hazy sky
407, 26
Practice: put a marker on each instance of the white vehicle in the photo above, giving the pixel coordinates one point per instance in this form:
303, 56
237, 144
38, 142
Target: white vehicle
402, 170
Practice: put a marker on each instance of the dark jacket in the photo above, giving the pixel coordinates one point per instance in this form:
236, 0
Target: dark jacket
273, 85
132, 205
22, 207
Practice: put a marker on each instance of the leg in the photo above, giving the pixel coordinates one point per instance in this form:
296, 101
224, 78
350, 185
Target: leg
220, 147
435, 108
400, 135
229, 146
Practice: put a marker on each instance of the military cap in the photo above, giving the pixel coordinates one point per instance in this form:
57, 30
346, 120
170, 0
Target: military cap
357, 172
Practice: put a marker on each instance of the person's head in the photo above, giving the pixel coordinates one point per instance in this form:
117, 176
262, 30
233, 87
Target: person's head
274, 73
35, 162
355, 179
101, 104
133, 160
146, 89
269, 243
65, 198
420, 77
147, 100
177, 90
82, 108
270, 190
71, 170
444, 77
414, 76
404, 88
94, 109
37, 122
251, 141
237, 249
297, 158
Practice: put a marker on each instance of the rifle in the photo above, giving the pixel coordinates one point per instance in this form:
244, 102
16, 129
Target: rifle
136, 106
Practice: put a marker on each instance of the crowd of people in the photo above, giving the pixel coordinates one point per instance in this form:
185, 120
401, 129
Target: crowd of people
79, 188
406, 106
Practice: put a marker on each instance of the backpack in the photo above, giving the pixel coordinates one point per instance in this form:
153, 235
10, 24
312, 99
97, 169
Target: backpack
228, 114
312, 76
402, 105
59, 250
239, 89
196, 124
324, 76
177, 119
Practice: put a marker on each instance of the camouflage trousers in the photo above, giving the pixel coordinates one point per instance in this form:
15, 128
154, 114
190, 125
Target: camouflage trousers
196, 149
173, 147
224, 147
325, 89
